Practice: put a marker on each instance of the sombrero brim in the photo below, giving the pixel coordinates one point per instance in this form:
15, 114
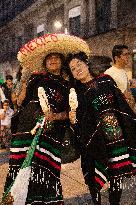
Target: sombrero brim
32, 54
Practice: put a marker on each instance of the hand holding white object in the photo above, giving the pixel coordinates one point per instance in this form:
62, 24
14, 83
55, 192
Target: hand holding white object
44, 105
73, 102
43, 100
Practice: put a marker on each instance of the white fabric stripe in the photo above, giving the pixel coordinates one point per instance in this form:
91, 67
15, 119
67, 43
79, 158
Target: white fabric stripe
133, 164
47, 202
24, 149
115, 159
99, 173
19, 149
48, 153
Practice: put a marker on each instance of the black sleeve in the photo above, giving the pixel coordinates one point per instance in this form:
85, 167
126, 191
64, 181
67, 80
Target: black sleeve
32, 90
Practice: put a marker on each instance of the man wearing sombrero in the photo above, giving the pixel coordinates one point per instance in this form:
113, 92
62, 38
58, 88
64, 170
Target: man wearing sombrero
35, 159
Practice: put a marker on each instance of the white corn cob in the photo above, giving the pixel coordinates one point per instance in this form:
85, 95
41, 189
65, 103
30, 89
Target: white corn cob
43, 100
73, 102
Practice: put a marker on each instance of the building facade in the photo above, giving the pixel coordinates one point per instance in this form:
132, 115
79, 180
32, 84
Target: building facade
102, 23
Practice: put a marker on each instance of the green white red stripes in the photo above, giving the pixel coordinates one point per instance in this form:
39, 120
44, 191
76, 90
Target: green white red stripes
100, 175
120, 161
19, 187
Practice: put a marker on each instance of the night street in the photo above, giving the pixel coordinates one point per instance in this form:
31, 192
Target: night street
68, 102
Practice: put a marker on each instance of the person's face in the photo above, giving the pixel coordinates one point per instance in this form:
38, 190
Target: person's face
5, 106
79, 70
123, 59
9, 82
53, 63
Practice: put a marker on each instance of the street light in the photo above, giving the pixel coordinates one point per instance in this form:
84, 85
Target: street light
58, 25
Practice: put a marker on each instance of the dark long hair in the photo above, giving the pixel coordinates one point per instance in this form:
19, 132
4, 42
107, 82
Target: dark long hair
82, 57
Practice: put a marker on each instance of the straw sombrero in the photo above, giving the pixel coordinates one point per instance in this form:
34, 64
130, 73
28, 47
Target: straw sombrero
32, 54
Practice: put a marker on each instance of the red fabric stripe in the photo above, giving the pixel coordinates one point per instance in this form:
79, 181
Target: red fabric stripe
99, 181
17, 156
102, 74
47, 159
115, 166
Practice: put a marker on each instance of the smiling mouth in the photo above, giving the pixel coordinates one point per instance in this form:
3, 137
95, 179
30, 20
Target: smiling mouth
53, 64
79, 72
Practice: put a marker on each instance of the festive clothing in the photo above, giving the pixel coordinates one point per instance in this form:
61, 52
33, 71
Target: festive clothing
106, 131
44, 185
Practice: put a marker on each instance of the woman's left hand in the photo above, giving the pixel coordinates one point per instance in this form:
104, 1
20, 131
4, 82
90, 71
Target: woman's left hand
105, 187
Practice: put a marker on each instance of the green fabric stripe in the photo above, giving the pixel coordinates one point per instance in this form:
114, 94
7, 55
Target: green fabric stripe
133, 158
21, 142
101, 168
98, 186
28, 159
57, 152
118, 151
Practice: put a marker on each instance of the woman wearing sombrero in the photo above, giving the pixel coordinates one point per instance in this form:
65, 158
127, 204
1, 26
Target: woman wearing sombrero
35, 159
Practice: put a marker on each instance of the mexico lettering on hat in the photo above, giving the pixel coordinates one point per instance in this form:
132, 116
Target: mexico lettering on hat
32, 54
